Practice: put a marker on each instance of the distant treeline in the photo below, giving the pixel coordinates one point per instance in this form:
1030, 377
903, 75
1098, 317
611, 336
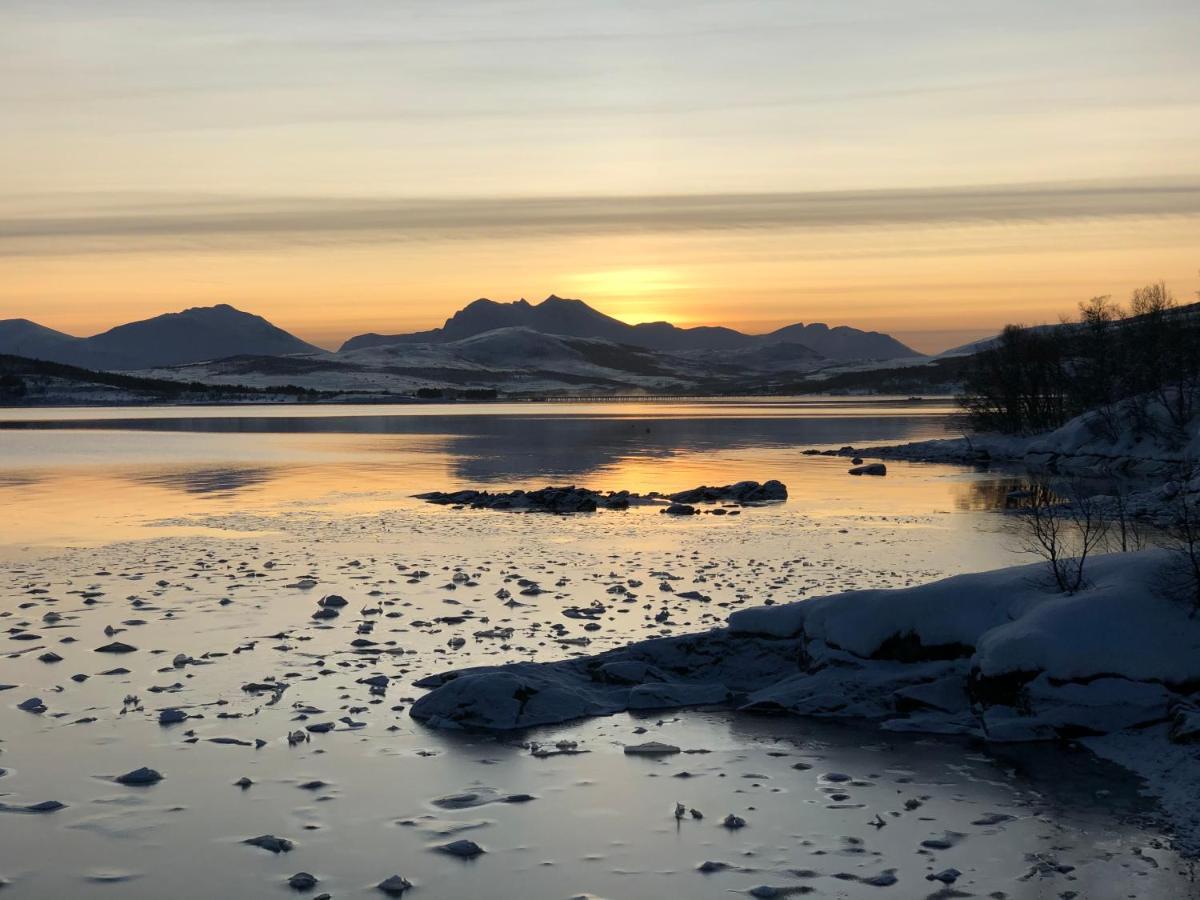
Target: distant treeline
1138, 369
20, 376
937, 376
426, 393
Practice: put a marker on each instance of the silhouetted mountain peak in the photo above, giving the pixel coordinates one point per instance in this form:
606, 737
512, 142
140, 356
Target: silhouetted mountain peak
191, 335
575, 318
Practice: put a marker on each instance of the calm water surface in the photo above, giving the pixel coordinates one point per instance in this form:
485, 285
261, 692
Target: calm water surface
212, 532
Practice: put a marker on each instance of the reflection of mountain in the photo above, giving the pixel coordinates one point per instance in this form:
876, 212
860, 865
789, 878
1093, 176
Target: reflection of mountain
216, 481
515, 449
520, 447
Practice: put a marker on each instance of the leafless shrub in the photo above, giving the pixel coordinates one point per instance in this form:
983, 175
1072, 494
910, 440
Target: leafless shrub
1126, 533
1182, 539
1063, 527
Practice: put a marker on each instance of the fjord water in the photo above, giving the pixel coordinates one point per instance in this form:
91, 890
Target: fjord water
84, 475
207, 535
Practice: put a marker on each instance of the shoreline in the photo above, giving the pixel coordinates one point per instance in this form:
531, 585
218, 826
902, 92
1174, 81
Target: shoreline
915, 660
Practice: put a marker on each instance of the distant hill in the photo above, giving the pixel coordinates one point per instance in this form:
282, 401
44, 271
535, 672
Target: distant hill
21, 337
517, 361
194, 335
574, 318
37, 382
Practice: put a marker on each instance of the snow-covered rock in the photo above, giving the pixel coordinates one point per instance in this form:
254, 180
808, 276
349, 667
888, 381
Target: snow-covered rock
1000, 654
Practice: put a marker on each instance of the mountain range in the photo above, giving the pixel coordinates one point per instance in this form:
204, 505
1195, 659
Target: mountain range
194, 335
518, 348
574, 318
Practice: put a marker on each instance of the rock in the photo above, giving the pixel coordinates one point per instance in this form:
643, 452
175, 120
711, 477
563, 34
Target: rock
333, 601
395, 885
680, 509
46, 806
946, 876
733, 822
884, 879
463, 849
116, 647
561, 500
870, 469
243, 783
742, 492
139, 777
32, 705
302, 881
171, 716
270, 842
650, 748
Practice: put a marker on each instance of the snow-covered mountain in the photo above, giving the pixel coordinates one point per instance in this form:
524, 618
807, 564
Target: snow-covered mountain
574, 318
194, 335
515, 348
513, 361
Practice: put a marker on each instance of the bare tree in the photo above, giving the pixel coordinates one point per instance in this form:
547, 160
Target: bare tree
1183, 540
1063, 529
1126, 531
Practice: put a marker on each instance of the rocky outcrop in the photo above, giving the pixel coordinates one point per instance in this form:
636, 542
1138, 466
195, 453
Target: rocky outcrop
572, 499
743, 493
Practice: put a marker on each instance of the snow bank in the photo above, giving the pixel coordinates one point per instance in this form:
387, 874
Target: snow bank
1081, 446
997, 654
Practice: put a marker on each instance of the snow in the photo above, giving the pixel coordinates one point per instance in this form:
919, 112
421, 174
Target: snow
1171, 773
1113, 654
1080, 446
998, 655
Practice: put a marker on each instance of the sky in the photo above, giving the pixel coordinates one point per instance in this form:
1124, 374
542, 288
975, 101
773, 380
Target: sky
930, 169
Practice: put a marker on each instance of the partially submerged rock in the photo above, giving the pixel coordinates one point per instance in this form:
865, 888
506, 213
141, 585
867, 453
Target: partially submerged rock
565, 499
302, 881
463, 849
869, 469
116, 647
139, 777
743, 492
270, 842
651, 748
394, 885
572, 499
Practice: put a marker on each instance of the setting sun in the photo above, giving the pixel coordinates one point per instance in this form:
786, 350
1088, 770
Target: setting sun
633, 295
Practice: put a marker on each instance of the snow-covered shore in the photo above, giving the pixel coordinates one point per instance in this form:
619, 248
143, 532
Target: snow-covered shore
997, 655
1080, 447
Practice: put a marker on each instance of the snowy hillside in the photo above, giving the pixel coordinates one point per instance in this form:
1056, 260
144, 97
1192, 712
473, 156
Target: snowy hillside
574, 318
514, 361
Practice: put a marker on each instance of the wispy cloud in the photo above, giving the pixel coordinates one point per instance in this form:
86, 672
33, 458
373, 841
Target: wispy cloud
228, 223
